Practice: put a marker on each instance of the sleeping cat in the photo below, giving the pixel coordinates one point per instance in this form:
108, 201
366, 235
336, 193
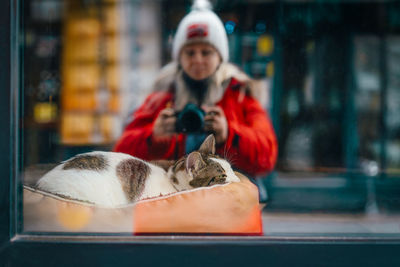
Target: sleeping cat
111, 179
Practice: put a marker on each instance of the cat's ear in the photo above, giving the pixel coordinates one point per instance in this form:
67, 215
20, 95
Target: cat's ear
208, 146
193, 162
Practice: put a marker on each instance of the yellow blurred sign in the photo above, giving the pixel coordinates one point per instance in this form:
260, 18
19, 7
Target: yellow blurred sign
45, 112
270, 69
265, 45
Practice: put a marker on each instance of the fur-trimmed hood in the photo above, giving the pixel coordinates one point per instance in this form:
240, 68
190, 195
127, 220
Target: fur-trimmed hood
172, 74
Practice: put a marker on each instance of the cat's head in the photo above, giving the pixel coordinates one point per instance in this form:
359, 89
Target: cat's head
203, 168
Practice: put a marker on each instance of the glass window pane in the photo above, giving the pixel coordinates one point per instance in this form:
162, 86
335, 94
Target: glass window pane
393, 101
81, 59
368, 100
327, 79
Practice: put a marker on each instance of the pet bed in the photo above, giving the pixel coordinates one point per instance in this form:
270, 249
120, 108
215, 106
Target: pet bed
223, 209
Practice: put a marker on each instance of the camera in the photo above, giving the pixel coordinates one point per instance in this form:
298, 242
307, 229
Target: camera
190, 119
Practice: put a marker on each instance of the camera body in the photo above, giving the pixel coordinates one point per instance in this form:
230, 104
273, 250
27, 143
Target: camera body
190, 119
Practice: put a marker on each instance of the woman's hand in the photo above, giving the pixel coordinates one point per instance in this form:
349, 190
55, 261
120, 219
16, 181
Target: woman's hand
216, 123
164, 125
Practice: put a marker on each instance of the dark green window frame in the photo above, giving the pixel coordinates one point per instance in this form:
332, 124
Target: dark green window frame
19, 249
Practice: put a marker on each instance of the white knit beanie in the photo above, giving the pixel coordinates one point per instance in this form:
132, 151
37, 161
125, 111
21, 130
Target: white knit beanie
201, 25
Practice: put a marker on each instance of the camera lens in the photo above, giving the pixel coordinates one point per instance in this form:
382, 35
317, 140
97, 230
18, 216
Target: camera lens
190, 119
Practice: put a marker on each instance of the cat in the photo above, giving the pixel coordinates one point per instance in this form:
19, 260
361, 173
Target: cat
112, 179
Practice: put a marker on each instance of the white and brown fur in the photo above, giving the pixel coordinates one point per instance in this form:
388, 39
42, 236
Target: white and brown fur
201, 168
112, 179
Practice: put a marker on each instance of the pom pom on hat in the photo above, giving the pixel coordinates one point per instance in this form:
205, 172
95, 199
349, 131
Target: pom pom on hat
201, 25
201, 5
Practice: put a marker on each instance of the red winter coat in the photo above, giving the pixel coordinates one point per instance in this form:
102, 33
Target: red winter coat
251, 145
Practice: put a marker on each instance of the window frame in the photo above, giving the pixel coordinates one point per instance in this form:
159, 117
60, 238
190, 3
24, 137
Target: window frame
19, 249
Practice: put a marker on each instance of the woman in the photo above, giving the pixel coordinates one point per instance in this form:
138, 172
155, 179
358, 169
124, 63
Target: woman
200, 74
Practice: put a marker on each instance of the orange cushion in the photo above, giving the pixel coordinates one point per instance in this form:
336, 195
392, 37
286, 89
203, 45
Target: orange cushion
227, 209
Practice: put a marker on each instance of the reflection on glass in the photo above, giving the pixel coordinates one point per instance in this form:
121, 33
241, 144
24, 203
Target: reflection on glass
393, 102
368, 77
81, 59
89, 64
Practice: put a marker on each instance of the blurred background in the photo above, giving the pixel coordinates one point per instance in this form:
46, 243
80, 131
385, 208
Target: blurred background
331, 71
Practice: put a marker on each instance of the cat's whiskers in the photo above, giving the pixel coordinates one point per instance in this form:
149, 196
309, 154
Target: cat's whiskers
226, 150
229, 157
